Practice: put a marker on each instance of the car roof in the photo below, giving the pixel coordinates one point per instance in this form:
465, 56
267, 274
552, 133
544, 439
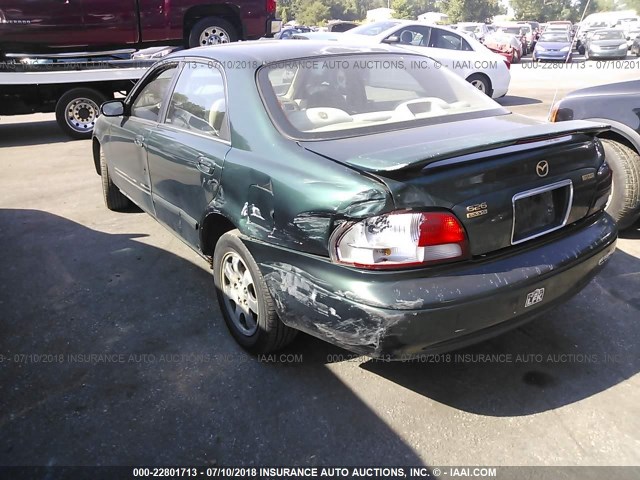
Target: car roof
269, 51
600, 30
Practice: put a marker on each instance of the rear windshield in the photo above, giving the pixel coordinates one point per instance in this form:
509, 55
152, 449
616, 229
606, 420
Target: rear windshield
349, 95
373, 29
513, 30
610, 35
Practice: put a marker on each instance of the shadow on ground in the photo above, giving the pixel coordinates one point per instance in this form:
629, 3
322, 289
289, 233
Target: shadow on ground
115, 353
512, 100
31, 133
570, 354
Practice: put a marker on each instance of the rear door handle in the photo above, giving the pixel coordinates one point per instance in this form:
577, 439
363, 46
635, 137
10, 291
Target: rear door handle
139, 140
206, 166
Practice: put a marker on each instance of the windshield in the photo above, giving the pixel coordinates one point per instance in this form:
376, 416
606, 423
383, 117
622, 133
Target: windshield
373, 29
553, 37
609, 35
346, 95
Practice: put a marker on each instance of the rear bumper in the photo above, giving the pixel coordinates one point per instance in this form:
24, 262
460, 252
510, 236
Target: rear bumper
400, 315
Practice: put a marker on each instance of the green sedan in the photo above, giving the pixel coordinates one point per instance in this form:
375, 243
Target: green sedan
363, 195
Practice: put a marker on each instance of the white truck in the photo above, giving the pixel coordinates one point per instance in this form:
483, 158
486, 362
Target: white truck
71, 85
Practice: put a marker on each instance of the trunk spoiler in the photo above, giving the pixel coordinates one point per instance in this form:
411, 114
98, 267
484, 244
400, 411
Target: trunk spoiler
417, 155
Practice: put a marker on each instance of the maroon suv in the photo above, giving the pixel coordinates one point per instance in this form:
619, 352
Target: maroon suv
67, 25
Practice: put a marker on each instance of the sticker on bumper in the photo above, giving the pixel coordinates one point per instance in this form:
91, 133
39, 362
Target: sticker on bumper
534, 297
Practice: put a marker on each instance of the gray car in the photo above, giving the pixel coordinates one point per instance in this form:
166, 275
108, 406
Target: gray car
609, 43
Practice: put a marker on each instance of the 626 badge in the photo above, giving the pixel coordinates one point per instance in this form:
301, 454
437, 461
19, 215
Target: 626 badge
534, 297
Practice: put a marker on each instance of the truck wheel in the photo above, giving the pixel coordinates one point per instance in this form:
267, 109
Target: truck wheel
245, 302
481, 83
113, 197
624, 203
77, 111
212, 31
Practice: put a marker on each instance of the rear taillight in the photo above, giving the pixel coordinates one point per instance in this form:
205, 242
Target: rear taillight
399, 240
271, 6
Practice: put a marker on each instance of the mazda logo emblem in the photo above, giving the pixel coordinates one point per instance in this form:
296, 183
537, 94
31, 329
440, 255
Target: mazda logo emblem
542, 168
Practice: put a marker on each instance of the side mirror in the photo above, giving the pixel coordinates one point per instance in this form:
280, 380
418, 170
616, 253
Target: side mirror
391, 39
112, 108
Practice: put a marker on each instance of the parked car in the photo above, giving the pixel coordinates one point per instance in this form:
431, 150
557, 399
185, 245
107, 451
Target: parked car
631, 34
289, 32
340, 26
635, 46
535, 33
478, 30
73, 25
610, 43
519, 31
553, 46
375, 201
616, 104
485, 70
560, 25
585, 31
501, 42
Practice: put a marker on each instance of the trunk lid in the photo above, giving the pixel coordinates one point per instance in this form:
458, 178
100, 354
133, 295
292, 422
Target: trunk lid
508, 179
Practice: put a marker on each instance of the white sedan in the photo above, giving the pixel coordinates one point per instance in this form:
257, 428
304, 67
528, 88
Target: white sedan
468, 58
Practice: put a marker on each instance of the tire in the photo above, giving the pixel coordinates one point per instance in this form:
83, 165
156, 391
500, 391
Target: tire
260, 331
481, 83
113, 197
77, 111
212, 31
624, 204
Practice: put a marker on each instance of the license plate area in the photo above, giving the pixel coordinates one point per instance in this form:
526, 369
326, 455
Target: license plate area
541, 210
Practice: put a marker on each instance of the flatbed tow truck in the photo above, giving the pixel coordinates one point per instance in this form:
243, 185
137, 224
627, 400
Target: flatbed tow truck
73, 85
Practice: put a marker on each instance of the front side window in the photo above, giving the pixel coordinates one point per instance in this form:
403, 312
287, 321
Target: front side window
147, 103
347, 95
198, 102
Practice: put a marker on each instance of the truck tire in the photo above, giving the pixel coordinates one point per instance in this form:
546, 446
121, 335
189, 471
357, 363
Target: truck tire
246, 304
212, 31
113, 197
624, 204
77, 111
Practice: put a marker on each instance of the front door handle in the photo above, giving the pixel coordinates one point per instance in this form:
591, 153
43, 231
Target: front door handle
139, 140
206, 166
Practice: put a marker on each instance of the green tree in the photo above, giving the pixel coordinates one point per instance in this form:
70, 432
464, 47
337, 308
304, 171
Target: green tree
574, 10
472, 10
402, 9
313, 13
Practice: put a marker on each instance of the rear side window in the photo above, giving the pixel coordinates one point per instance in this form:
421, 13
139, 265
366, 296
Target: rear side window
198, 102
448, 40
148, 102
